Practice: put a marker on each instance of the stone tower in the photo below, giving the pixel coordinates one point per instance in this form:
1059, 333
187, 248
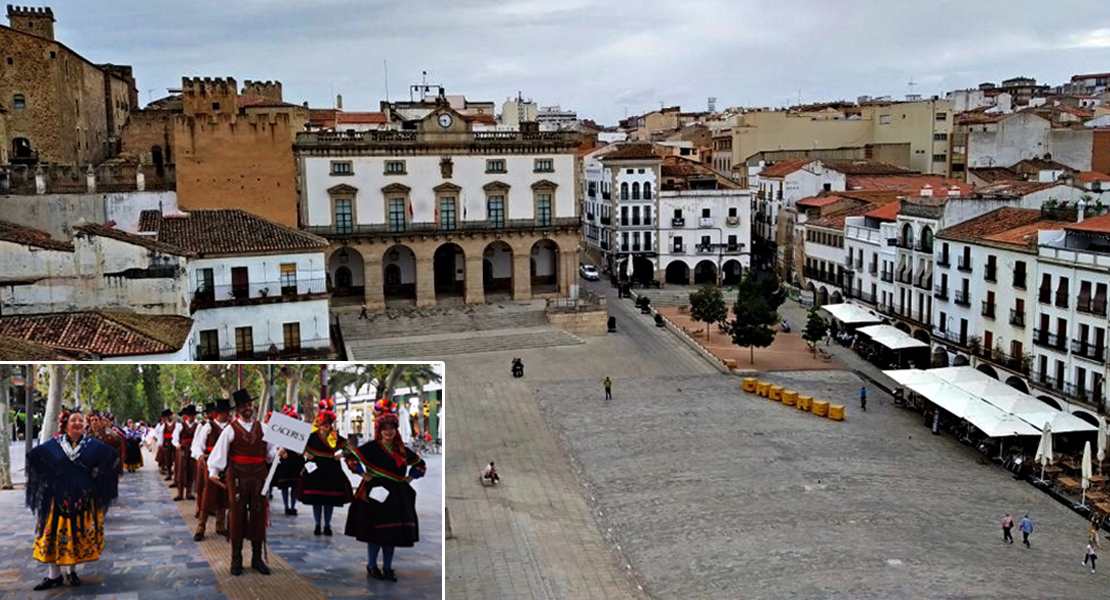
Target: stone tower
270, 90
29, 19
209, 96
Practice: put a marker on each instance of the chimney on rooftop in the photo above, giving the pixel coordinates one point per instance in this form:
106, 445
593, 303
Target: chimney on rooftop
953, 191
339, 101
926, 190
1080, 208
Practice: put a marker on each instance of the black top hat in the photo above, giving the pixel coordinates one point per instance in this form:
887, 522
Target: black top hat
167, 413
222, 405
209, 408
241, 397
190, 410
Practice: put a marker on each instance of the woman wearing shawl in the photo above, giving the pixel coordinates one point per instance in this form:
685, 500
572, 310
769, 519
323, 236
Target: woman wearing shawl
71, 481
133, 437
385, 518
288, 474
324, 486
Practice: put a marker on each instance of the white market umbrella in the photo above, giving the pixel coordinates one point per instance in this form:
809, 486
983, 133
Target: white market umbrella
1044, 449
1103, 438
1085, 468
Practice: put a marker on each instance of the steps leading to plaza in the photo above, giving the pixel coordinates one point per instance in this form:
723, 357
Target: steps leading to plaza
414, 322
434, 347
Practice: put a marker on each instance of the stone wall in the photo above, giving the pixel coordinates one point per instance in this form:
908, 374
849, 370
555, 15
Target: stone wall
71, 179
56, 214
146, 130
594, 321
237, 161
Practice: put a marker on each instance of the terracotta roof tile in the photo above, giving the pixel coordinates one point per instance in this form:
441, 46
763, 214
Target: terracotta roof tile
1042, 165
911, 184
17, 350
1100, 224
866, 167
18, 234
819, 201
995, 174
145, 241
480, 118
785, 167
354, 118
1090, 176
101, 334
886, 212
1001, 225
631, 151
1015, 188
227, 231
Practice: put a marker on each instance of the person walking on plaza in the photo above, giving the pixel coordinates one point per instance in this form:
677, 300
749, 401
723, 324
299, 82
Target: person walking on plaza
72, 479
383, 514
186, 465
1007, 525
164, 434
1092, 535
241, 453
288, 473
323, 485
608, 388
863, 398
213, 499
1090, 557
362, 314
1026, 529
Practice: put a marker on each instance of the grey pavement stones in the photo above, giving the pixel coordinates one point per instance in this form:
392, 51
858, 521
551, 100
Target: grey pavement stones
435, 347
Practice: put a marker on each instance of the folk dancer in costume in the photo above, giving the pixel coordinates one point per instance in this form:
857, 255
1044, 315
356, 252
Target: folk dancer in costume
213, 499
119, 431
196, 449
288, 474
132, 438
100, 429
71, 481
165, 444
385, 462
241, 450
185, 464
327, 485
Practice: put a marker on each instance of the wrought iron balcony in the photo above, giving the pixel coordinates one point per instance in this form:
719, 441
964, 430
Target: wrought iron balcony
873, 268
888, 276
924, 282
990, 273
258, 292
940, 292
1090, 306
988, 309
1049, 340
306, 349
942, 260
964, 264
905, 276
1089, 351
678, 249
1017, 318
952, 337
1061, 299
678, 222
385, 229
923, 246
962, 298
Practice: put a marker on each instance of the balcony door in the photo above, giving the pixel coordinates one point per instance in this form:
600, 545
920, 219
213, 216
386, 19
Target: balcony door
240, 283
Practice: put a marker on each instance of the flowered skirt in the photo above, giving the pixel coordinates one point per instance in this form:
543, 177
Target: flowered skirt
134, 456
69, 541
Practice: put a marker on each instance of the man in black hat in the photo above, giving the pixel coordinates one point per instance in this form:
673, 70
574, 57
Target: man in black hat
163, 435
211, 499
197, 450
183, 436
241, 450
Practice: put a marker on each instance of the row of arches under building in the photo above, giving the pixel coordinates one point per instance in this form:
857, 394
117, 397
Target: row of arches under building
678, 272
346, 271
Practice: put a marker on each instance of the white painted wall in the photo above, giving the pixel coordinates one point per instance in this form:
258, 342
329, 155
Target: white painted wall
717, 228
263, 272
266, 321
423, 174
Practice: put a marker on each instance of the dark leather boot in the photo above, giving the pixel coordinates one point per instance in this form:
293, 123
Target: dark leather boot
202, 526
236, 557
256, 558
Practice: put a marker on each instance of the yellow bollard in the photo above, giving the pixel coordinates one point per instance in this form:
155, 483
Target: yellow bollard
762, 388
749, 385
789, 398
805, 403
836, 412
820, 407
775, 393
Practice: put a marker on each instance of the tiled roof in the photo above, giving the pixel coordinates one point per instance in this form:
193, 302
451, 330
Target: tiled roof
259, 101
1015, 188
995, 174
480, 118
633, 151
866, 167
1090, 176
227, 231
26, 236
17, 350
1100, 224
680, 166
886, 212
992, 224
819, 201
145, 241
1025, 235
101, 334
836, 220
784, 167
360, 117
911, 184
1042, 165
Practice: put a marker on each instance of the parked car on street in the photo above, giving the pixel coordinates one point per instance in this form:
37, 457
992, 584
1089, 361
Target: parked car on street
589, 272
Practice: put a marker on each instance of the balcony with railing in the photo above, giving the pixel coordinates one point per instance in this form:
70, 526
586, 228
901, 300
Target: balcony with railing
923, 246
1061, 299
606, 220
942, 260
259, 292
1018, 364
905, 243
888, 276
990, 273
1049, 340
873, 268
1017, 318
1044, 295
822, 276
964, 264
952, 337
905, 275
1089, 351
1091, 306
1019, 280
865, 297
386, 229
988, 310
940, 292
705, 222
306, 350
962, 298
923, 281
678, 222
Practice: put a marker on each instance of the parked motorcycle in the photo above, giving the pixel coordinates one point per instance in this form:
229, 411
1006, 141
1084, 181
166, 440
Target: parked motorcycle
518, 367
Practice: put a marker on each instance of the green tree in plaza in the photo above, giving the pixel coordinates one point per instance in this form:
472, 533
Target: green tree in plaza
753, 325
707, 305
770, 288
816, 327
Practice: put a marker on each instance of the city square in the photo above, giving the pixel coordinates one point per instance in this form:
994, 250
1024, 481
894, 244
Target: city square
684, 486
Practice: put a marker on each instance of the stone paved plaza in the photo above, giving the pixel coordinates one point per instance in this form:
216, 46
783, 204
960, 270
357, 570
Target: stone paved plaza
690, 488
150, 552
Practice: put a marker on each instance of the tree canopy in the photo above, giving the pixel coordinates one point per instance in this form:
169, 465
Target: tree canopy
753, 325
707, 305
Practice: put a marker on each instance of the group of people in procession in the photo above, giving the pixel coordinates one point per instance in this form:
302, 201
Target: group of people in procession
222, 464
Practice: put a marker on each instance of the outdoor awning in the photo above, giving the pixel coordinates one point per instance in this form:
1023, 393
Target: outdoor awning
891, 337
1023, 406
991, 420
851, 314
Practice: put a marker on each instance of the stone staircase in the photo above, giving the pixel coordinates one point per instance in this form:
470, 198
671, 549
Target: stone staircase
436, 347
438, 320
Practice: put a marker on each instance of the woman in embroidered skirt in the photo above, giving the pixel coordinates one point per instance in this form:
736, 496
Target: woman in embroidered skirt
385, 523
133, 437
288, 473
72, 479
324, 486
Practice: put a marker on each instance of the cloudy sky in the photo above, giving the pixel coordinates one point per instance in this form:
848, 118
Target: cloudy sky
605, 58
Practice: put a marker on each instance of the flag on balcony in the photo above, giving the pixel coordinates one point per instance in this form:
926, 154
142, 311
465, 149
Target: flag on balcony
410, 211
464, 209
